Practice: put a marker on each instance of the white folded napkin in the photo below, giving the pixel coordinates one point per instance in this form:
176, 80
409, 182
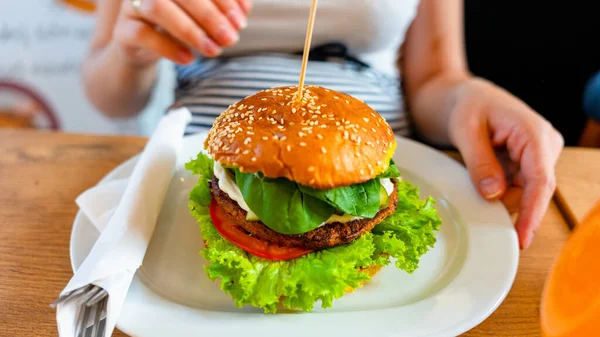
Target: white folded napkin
126, 229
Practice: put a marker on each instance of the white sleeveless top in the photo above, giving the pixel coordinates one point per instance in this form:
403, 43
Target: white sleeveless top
268, 55
373, 30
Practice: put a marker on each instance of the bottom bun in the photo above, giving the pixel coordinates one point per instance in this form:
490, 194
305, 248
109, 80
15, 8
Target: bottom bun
371, 271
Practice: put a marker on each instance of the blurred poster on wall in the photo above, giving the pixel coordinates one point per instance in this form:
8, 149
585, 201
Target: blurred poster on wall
42, 45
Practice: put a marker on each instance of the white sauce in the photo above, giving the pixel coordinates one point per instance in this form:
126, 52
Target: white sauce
388, 185
228, 185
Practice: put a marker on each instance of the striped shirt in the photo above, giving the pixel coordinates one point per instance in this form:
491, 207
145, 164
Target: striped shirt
208, 87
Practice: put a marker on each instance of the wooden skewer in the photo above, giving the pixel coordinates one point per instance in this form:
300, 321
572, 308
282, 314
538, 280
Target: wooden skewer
309, 33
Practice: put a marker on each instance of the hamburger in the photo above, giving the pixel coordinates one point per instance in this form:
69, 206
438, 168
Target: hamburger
299, 201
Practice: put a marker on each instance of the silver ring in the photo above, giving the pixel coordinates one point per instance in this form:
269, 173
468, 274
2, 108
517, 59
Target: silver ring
137, 6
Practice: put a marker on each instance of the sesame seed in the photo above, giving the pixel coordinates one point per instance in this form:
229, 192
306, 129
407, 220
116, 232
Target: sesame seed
293, 110
237, 151
311, 169
247, 140
246, 152
265, 138
319, 136
301, 134
323, 150
379, 162
289, 148
358, 154
347, 102
253, 159
335, 97
249, 132
345, 134
373, 129
366, 119
302, 144
263, 99
251, 107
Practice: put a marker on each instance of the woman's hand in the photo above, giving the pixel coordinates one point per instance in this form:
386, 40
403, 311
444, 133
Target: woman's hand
173, 28
486, 119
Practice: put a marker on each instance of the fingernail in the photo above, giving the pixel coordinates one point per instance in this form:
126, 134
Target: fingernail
528, 240
490, 187
227, 35
247, 4
238, 19
184, 56
210, 47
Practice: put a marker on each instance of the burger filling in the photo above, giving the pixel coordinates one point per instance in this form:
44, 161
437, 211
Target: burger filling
227, 184
286, 214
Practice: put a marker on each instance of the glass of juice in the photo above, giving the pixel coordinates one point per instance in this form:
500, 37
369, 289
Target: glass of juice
570, 305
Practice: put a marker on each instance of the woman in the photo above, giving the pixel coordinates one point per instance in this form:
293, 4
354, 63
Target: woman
225, 51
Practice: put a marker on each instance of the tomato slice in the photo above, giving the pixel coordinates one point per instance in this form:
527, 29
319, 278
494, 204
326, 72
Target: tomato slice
253, 245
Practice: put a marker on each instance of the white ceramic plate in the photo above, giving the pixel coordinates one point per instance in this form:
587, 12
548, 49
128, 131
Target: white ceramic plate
459, 283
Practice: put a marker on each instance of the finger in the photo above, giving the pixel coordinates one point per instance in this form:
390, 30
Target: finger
139, 35
558, 142
477, 152
539, 185
246, 5
213, 22
232, 10
177, 23
512, 199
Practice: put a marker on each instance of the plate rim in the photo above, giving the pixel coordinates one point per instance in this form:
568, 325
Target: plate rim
457, 328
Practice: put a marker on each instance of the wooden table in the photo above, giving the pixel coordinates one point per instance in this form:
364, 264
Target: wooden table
578, 183
42, 173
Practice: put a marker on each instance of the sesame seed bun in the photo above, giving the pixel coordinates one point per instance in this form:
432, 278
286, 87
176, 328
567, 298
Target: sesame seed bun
328, 140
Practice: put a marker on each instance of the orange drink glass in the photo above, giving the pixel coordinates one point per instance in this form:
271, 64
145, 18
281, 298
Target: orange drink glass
570, 304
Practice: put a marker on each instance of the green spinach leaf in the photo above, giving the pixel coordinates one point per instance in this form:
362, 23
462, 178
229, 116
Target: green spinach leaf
281, 205
391, 172
358, 200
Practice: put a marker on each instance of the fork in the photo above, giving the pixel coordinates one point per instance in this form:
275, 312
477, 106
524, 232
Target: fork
92, 303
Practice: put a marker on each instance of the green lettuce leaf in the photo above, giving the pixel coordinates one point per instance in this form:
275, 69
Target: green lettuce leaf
413, 224
281, 205
202, 166
296, 284
358, 200
320, 276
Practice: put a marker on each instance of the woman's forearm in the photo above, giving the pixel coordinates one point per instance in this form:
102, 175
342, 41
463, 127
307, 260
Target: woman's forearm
433, 66
115, 86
